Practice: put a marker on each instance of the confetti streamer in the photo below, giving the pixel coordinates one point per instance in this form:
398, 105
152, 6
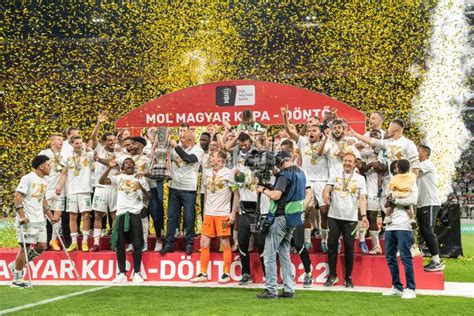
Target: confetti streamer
444, 91
65, 61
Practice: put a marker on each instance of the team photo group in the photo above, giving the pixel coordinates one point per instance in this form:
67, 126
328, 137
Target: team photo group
255, 186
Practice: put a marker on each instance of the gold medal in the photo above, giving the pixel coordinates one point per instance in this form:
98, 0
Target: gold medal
343, 194
77, 172
313, 161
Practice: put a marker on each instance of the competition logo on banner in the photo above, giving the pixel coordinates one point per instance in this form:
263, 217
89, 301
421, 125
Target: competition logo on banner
235, 95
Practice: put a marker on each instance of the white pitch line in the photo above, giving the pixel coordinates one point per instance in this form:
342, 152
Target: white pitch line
58, 298
462, 289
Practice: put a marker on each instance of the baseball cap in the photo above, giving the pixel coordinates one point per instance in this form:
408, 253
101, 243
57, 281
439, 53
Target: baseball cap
282, 156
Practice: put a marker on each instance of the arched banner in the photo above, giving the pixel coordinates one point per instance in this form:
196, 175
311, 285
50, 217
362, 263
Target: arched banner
212, 103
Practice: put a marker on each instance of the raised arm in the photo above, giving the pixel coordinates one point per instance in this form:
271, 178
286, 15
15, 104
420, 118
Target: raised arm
368, 140
104, 178
290, 131
101, 117
229, 145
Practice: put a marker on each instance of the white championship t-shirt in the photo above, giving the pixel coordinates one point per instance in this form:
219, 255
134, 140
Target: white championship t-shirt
79, 172
142, 163
56, 169
184, 176
217, 186
427, 189
101, 168
368, 155
402, 148
345, 203
33, 189
129, 194
67, 149
316, 167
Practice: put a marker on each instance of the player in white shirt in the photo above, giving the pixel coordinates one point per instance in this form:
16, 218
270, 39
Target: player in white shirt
374, 167
349, 195
376, 122
70, 132
131, 190
314, 156
334, 148
76, 174
338, 145
428, 207
105, 196
205, 142
397, 145
122, 134
31, 207
142, 166
55, 202
218, 217
185, 161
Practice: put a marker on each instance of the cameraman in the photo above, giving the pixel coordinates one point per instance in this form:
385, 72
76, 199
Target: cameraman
299, 233
285, 214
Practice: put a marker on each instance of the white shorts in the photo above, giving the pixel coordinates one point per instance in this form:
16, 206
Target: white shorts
376, 203
55, 202
105, 198
317, 192
34, 233
78, 203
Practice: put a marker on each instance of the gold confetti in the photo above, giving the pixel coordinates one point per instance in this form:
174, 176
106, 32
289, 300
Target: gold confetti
64, 61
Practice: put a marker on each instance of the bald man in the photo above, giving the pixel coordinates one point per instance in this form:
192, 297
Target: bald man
185, 161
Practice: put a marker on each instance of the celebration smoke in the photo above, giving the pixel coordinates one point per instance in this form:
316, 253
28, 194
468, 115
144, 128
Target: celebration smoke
444, 91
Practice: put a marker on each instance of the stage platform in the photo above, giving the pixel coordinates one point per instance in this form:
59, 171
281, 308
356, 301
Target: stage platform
369, 270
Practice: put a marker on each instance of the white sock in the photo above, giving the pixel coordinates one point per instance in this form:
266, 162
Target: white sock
97, 233
74, 237
85, 236
17, 274
374, 235
324, 235
145, 229
436, 259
